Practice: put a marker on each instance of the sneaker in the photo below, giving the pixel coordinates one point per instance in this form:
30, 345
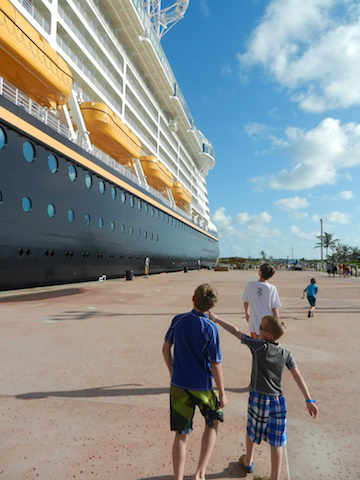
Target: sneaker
309, 314
246, 468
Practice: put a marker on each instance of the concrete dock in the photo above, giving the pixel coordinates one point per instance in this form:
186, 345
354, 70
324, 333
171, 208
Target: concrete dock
84, 391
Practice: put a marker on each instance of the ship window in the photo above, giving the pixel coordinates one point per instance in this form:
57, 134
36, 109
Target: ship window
112, 226
53, 163
72, 173
87, 219
26, 204
71, 215
122, 228
101, 222
157, 237
146, 208
139, 204
51, 210
1, 196
101, 187
88, 180
123, 197
2, 138
151, 211
131, 200
131, 230
113, 193
28, 152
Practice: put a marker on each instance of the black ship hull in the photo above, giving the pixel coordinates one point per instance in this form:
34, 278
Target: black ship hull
57, 226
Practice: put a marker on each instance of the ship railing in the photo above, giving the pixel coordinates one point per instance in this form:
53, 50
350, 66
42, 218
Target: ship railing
17, 97
37, 16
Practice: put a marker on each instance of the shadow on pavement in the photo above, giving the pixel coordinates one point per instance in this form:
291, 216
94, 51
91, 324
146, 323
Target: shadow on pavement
110, 391
232, 470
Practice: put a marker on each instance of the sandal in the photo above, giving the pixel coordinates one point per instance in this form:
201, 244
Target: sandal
246, 468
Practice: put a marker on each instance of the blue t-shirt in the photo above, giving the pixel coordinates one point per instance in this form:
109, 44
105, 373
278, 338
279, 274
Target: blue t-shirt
196, 344
311, 290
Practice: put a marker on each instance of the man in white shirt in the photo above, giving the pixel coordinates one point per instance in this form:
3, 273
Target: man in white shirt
261, 298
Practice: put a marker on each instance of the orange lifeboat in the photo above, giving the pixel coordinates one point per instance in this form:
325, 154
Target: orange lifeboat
181, 195
108, 133
157, 175
29, 62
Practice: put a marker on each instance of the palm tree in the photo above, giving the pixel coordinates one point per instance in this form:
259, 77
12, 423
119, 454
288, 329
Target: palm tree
327, 242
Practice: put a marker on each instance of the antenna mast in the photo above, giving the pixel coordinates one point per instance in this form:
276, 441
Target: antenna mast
163, 19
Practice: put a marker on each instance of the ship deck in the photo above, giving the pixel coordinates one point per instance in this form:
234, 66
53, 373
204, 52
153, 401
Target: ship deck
84, 392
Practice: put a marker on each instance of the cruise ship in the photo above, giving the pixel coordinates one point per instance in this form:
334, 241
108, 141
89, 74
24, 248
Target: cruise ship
102, 168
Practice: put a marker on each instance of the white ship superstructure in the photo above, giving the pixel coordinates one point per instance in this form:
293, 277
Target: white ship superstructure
113, 50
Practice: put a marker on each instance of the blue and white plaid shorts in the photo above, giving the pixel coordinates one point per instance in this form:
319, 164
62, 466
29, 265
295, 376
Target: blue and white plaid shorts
267, 419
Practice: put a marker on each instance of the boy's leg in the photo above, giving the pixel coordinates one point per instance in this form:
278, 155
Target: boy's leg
207, 446
249, 451
276, 459
179, 455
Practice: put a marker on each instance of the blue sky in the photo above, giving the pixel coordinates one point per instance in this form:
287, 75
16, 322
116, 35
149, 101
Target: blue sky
275, 86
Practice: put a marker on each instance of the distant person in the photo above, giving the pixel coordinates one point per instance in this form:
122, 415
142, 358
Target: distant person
260, 298
311, 291
267, 406
196, 361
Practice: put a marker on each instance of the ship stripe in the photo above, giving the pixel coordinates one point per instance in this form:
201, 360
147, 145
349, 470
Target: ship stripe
48, 140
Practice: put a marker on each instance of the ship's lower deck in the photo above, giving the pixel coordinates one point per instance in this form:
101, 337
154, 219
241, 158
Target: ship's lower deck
65, 216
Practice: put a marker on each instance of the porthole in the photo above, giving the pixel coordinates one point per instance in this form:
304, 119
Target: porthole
101, 222
101, 187
51, 210
113, 193
71, 215
28, 152
123, 197
72, 173
26, 204
2, 138
87, 219
112, 226
53, 163
88, 180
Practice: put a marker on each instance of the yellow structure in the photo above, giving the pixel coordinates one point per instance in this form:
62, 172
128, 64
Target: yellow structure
28, 61
108, 133
181, 195
157, 175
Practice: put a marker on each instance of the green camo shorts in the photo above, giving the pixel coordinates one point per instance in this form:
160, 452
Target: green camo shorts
182, 408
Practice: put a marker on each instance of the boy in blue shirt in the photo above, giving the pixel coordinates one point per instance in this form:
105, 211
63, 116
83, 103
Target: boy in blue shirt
196, 360
311, 291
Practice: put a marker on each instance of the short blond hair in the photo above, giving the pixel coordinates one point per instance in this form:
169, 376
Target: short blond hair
205, 297
275, 326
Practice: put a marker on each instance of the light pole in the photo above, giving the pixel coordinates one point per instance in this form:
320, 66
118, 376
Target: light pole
321, 240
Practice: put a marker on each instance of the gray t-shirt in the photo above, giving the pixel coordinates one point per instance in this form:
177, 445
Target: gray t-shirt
268, 361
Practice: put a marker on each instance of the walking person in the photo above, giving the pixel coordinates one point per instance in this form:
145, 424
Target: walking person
196, 361
311, 291
267, 406
260, 298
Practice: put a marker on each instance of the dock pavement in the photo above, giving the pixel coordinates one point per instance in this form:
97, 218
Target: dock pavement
84, 390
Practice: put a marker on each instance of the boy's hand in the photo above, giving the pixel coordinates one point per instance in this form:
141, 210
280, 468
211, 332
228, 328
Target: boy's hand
212, 317
247, 317
312, 409
223, 400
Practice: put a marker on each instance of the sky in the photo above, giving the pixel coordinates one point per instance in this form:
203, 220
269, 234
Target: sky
275, 86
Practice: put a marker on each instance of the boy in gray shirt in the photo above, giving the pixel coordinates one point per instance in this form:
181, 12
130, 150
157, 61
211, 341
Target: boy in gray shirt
267, 407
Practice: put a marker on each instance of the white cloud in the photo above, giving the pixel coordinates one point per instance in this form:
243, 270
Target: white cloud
311, 236
346, 195
299, 215
338, 217
317, 155
258, 130
312, 48
294, 203
204, 7
223, 221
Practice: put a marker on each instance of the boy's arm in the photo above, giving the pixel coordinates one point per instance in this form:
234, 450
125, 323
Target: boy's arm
246, 309
217, 373
166, 351
228, 326
276, 313
312, 408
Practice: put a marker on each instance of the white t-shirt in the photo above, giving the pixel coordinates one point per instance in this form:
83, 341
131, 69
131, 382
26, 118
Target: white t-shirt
262, 297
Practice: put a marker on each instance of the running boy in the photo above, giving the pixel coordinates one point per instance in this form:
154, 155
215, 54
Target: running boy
311, 291
267, 407
262, 298
196, 361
